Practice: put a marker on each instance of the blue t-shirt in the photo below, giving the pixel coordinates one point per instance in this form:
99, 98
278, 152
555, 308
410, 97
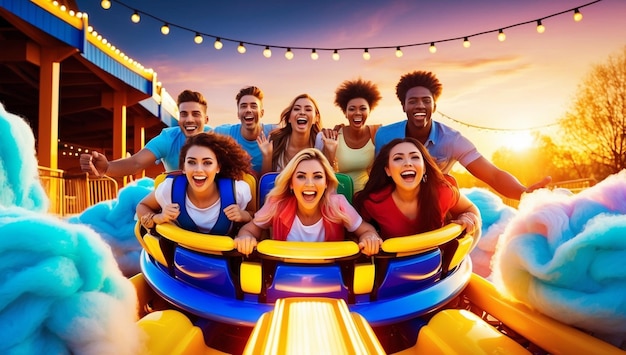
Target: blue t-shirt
167, 145
446, 145
252, 147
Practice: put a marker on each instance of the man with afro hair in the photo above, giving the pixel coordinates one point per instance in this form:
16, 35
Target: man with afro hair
418, 92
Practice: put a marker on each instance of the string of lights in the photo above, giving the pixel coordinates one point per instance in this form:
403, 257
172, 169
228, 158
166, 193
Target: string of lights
494, 128
289, 54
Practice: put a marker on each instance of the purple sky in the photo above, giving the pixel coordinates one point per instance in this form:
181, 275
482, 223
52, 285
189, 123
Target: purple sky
529, 80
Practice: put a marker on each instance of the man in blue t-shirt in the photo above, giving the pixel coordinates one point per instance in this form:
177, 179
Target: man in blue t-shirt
193, 119
418, 92
250, 111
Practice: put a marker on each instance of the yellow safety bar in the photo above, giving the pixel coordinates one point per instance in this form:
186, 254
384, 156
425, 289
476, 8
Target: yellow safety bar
308, 250
422, 241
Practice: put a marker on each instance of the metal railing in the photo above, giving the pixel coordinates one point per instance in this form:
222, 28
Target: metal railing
73, 193
575, 186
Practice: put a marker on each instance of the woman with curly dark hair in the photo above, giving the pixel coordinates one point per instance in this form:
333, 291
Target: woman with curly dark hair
299, 124
351, 147
210, 194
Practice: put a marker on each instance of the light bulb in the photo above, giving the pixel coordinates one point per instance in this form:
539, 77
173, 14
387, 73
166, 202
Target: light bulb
106, 4
366, 55
432, 48
399, 52
218, 44
135, 17
198, 39
335, 55
241, 49
165, 29
577, 15
314, 54
267, 52
540, 27
466, 42
501, 36
289, 54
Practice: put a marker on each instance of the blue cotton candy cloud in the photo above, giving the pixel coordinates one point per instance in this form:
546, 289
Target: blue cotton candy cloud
563, 255
495, 216
61, 291
19, 178
115, 221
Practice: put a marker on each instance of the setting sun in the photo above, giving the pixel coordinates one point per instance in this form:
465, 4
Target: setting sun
519, 141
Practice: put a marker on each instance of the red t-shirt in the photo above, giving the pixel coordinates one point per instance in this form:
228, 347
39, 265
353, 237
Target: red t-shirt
392, 222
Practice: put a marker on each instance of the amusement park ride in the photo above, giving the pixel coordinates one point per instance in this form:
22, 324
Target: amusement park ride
197, 295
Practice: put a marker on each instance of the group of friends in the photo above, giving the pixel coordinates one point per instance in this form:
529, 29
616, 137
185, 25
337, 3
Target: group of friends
400, 171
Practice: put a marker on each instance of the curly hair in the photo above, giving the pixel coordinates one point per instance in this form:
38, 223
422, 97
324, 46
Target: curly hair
428, 195
280, 135
249, 90
352, 89
191, 96
280, 195
233, 160
418, 78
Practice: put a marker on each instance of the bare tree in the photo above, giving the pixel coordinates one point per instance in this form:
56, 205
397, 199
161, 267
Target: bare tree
596, 122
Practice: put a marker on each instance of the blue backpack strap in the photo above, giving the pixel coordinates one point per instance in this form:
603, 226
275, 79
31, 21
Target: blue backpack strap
179, 192
226, 187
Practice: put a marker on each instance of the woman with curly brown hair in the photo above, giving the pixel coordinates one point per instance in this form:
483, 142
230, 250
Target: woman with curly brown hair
210, 194
351, 148
299, 124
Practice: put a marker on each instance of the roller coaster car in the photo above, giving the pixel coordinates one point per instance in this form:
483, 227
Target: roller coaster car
199, 296
202, 276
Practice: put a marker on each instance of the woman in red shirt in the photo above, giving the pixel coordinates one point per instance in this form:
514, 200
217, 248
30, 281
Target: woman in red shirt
408, 194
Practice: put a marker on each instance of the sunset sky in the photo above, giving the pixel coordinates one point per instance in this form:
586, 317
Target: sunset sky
527, 81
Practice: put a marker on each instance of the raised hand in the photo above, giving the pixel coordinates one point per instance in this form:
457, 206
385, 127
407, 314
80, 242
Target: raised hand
94, 163
265, 145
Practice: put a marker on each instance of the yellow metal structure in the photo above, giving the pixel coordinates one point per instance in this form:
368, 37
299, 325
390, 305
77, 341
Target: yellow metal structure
312, 326
251, 277
547, 333
457, 331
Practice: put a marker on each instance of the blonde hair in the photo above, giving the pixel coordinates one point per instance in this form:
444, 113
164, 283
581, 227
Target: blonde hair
281, 194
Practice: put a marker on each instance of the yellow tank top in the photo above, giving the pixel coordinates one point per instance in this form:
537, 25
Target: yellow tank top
355, 162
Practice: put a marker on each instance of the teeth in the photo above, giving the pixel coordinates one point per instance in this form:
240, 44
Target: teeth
202, 178
310, 193
408, 173
191, 128
301, 120
419, 114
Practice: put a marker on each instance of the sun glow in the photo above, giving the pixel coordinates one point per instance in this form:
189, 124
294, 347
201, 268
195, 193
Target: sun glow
519, 141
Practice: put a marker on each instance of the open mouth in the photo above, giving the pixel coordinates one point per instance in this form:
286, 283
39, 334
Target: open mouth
199, 180
249, 118
408, 175
309, 195
302, 121
191, 128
